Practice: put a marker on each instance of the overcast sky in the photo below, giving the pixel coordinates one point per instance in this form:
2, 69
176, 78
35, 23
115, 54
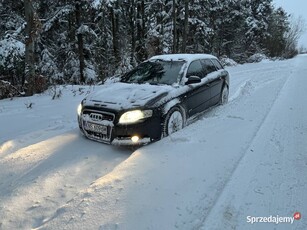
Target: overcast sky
296, 8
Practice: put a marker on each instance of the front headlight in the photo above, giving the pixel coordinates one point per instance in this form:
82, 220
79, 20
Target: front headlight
79, 109
134, 116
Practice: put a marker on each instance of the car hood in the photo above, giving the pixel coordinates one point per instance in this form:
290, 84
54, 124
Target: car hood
121, 96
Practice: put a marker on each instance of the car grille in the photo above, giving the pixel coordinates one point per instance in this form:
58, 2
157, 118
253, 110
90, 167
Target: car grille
99, 115
98, 125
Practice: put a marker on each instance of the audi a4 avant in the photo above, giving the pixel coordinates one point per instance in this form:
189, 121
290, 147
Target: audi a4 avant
155, 99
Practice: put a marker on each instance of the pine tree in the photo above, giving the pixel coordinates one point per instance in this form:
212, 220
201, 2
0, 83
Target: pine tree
278, 27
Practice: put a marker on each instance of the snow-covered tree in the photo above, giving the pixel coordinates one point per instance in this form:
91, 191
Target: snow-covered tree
258, 14
87, 41
278, 28
12, 54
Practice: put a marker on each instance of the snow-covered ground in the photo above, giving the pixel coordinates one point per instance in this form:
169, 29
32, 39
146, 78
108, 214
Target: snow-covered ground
243, 160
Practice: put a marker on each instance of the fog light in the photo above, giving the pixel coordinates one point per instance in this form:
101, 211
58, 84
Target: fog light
135, 139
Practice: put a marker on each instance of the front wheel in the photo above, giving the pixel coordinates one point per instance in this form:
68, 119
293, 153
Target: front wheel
224, 95
173, 121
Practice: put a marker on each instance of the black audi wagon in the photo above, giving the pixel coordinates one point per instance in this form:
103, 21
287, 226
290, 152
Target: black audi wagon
155, 99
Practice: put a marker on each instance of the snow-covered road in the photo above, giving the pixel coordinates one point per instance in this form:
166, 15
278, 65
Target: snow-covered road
247, 158
44, 160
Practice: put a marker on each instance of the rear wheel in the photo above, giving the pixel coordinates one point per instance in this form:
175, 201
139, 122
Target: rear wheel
173, 122
224, 95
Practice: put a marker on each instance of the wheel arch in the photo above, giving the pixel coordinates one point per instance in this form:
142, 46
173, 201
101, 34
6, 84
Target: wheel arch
166, 116
173, 104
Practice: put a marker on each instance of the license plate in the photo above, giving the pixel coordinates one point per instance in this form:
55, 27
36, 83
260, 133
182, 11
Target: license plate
96, 128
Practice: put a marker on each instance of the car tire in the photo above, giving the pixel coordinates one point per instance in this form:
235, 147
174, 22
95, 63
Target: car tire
174, 121
224, 95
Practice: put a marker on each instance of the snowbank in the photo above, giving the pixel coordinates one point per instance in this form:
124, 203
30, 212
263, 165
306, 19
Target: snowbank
228, 61
257, 57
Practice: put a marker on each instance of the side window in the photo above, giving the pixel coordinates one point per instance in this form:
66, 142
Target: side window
208, 66
217, 64
196, 69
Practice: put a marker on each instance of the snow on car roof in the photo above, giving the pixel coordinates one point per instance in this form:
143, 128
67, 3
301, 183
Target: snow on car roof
186, 57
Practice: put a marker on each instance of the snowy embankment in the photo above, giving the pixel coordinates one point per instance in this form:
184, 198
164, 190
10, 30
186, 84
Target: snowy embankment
247, 158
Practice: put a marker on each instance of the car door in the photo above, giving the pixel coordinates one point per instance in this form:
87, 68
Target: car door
215, 82
198, 97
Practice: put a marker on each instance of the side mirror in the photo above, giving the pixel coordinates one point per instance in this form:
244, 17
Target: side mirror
193, 80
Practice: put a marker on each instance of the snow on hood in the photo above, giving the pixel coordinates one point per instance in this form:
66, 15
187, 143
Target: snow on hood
125, 96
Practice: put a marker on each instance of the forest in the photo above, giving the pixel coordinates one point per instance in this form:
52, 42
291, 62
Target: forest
84, 42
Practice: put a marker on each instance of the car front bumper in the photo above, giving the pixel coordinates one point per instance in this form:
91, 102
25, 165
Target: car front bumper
111, 132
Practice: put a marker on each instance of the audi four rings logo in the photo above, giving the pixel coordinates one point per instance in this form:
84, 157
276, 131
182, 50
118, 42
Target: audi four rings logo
96, 116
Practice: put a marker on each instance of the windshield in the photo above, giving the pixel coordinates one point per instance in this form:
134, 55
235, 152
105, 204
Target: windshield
155, 72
